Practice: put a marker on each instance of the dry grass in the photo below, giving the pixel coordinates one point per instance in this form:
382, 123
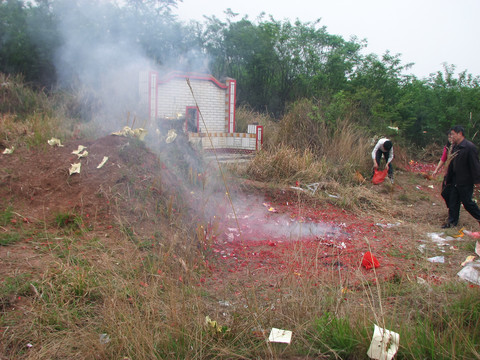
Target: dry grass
30, 117
308, 151
245, 116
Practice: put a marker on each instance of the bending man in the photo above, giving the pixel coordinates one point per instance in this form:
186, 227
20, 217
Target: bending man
384, 148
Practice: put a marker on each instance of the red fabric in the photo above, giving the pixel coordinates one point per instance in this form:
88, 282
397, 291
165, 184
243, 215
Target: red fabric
444, 154
379, 176
369, 261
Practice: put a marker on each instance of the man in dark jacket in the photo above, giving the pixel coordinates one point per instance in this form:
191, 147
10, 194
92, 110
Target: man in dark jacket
463, 173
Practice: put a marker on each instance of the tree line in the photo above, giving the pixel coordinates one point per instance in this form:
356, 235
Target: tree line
275, 63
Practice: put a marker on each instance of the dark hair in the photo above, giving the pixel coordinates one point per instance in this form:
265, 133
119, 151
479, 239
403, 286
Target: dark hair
387, 145
458, 129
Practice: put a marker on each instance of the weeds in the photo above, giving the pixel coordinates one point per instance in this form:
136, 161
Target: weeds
6, 216
69, 221
9, 238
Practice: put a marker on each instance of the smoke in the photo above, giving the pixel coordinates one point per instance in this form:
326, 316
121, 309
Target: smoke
258, 220
104, 48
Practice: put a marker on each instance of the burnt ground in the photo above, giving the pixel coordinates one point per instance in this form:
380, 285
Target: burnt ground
272, 232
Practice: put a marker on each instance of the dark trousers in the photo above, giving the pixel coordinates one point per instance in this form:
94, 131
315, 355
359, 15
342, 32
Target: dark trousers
446, 190
378, 158
461, 194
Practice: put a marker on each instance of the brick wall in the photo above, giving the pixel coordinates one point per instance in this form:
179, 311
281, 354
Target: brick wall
175, 95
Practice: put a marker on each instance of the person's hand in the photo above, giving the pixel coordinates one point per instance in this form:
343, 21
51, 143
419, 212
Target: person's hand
375, 165
435, 172
387, 166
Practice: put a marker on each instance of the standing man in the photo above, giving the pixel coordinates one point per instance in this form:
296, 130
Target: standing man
463, 173
384, 148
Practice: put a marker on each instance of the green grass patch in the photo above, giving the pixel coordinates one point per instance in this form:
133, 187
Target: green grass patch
6, 216
9, 238
69, 221
334, 337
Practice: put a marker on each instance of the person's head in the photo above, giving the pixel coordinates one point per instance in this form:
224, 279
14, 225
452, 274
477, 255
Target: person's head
387, 145
449, 141
456, 134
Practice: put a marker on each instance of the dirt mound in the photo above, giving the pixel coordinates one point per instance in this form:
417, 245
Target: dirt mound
131, 194
40, 186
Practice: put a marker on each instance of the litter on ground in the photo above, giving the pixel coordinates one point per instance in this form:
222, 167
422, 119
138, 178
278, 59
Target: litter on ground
75, 168
469, 259
388, 225
54, 142
8, 151
380, 340
83, 154
470, 272
104, 338
280, 336
437, 259
105, 159
313, 187
460, 233
80, 148
474, 234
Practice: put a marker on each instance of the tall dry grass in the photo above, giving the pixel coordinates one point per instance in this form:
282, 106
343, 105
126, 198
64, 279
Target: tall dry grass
245, 116
29, 117
304, 149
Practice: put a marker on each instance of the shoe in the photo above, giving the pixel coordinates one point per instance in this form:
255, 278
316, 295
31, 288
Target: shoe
391, 181
448, 225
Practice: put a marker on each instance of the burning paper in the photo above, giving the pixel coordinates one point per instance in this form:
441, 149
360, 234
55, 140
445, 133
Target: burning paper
54, 142
139, 133
75, 168
380, 340
281, 336
171, 136
270, 208
8, 151
105, 158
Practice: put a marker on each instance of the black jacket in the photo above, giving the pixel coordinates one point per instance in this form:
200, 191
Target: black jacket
464, 169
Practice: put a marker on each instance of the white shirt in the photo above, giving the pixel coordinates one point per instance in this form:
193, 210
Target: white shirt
378, 146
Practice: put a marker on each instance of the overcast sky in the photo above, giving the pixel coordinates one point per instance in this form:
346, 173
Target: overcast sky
425, 32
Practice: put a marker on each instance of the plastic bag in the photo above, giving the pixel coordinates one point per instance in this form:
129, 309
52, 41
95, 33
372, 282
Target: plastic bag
369, 261
379, 176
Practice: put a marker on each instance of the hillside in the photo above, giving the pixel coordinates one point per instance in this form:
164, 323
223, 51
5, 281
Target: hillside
136, 254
